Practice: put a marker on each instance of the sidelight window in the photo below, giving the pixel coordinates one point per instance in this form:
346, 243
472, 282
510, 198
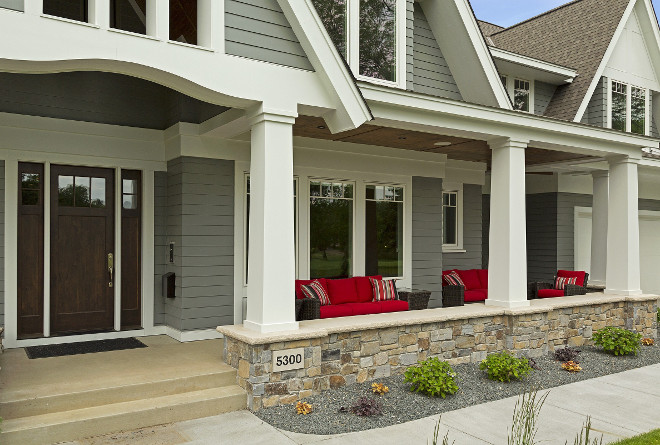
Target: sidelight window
384, 230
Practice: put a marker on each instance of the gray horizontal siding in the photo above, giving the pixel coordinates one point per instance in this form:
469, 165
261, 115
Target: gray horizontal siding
16, 5
485, 229
649, 205
431, 73
2, 243
541, 236
472, 232
596, 112
258, 29
410, 33
160, 244
427, 237
654, 124
543, 93
201, 223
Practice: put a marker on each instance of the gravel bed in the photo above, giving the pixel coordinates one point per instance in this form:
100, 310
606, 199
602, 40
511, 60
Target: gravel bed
400, 405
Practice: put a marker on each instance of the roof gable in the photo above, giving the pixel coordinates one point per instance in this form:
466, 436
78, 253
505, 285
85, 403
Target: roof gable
577, 34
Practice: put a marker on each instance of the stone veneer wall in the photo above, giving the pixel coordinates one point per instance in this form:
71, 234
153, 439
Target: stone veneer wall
356, 355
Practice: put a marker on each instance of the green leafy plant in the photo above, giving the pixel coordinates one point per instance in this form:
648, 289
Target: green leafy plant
504, 367
525, 416
617, 341
432, 377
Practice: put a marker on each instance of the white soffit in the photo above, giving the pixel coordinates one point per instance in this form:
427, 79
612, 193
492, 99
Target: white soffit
527, 67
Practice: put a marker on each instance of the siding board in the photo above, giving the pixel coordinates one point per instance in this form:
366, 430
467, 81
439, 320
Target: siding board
472, 232
543, 93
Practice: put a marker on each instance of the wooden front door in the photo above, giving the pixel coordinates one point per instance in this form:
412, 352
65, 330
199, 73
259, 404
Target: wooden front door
82, 241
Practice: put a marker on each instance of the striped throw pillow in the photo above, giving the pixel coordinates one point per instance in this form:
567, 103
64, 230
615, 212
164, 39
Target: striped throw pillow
453, 279
383, 290
561, 282
317, 291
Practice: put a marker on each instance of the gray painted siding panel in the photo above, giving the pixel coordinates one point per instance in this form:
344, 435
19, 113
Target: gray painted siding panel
472, 232
410, 32
596, 112
258, 29
430, 70
649, 204
2, 243
16, 5
543, 93
160, 244
485, 230
427, 237
654, 125
201, 223
541, 236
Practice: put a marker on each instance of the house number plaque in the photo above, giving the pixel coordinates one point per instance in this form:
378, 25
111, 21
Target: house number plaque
288, 359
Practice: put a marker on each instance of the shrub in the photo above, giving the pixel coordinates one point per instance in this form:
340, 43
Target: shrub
367, 407
567, 354
504, 367
432, 377
617, 341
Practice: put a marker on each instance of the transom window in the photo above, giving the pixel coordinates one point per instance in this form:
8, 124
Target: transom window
628, 108
370, 34
384, 230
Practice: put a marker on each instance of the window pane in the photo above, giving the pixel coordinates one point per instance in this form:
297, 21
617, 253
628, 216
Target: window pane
130, 186
384, 238
68, 9
183, 21
16, 5
129, 202
378, 39
638, 111
331, 233
129, 15
65, 191
619, 97
333, 16
30, 197
521, 95
30, 181
449, 225
98, 192
81, 198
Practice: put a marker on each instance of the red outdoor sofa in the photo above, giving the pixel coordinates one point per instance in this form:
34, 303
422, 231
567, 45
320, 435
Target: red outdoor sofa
561, 286
471, 286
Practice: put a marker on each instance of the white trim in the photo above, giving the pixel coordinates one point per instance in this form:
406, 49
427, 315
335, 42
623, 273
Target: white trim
47, 218
538, 64
117, 251
449, 187
511, 89
579, 212
148, 251
187, 336
11, 252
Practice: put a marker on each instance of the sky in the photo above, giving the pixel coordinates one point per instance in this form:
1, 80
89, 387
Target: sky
509, 12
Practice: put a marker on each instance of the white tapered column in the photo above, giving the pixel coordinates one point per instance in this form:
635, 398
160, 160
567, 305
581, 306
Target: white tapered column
507, 254
623, 266
271, 260
598, 267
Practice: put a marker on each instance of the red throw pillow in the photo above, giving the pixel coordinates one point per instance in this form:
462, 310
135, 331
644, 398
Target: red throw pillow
578, 274
299, 293
317, 291
384, 290
342, 291
561, 282
470, 278
453, 279
363, 287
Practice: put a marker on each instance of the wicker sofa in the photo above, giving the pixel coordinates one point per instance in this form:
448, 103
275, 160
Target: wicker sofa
544, 289
475, 289
353, 296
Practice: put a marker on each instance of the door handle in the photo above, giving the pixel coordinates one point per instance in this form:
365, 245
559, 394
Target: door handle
111, 265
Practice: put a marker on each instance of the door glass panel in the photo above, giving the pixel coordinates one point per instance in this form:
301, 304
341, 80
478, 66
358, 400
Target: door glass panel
30, 185
98, 192
129, 202
30, 181
30, 197
82, 191
129, 186
65, 191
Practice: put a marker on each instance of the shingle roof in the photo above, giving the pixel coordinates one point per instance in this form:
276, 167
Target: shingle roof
576, 34
489, 29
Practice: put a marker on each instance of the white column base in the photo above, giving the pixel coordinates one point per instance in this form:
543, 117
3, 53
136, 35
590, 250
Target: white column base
622, 292
268, 328
509, 304
596, 283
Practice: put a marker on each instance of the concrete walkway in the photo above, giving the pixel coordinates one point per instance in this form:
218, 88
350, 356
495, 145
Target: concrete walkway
620, 405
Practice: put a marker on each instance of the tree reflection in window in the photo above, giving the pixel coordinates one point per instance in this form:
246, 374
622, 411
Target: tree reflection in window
638, 110
333, 16
330, 229
81, 191
521, 94
619, 99
384, 231
30, 188
378, 39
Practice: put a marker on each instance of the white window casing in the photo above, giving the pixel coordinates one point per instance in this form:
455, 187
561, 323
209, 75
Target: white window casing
458, 189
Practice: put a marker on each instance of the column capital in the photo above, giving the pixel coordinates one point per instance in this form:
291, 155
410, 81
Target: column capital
619, 160
600, 174
261, 113
504, 142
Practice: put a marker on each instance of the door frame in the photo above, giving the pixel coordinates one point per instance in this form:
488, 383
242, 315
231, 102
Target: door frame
147, 168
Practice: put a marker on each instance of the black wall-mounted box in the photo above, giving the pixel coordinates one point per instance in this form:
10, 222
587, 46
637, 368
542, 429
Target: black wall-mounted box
169, 285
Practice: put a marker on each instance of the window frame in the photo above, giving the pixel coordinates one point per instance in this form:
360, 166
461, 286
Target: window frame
458, 246
629, 87
509, 83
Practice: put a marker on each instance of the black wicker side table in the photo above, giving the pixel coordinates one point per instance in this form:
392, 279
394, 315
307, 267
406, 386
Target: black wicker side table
417, 299
453, 296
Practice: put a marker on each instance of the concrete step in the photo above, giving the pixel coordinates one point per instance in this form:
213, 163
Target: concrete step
115, 417
14, 406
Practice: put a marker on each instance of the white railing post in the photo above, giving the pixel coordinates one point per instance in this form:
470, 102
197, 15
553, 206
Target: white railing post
205, 25
34, 7
99, 13
158, 19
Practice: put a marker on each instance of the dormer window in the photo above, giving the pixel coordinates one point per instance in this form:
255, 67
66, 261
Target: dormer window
521, 95
628, 108
371, 36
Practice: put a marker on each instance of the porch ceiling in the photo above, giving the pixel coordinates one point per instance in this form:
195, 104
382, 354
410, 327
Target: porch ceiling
461, 149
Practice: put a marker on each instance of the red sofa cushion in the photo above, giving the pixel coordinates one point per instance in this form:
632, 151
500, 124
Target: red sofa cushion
475, 295
550, 293
299, 294
392, 306
579, 274
483, 278
336, 310
342, 291
363, 308
470, 278
363, 286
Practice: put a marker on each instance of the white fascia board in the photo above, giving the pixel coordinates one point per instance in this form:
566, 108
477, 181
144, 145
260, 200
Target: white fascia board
352, 110
408, 110
605, 59
567, 74
463, 45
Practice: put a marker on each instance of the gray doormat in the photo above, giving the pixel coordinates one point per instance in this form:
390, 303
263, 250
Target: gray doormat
83, 347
